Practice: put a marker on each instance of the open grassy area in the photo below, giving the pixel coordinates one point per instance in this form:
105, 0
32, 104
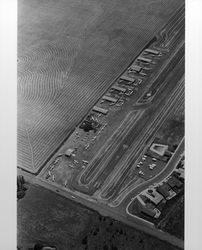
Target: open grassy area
44, 216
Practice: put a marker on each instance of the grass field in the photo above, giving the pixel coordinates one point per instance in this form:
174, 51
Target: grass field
68, 54
174, 220
46, 217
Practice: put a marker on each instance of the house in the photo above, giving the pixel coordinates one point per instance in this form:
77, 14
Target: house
147, 208
174, 182
164, 190
147, 211
153, 196
142, 208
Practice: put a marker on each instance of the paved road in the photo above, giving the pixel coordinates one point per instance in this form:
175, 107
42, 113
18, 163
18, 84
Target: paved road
138, 136
166, 172
119, 213
101, 159
94, 173
144, 137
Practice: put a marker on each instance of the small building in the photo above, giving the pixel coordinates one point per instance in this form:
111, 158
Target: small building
152, 51
69, 152
174, 182
109, 99
144, 59
100, 110
120, 89
127, 78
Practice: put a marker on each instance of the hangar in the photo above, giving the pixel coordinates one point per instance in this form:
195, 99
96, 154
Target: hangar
119, 88
100, 110
110, 99
152, 51
144, 59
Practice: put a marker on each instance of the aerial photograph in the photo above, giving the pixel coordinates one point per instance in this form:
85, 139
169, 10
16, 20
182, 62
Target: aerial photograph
100, 124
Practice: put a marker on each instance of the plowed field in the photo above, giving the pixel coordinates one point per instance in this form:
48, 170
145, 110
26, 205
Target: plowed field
69, 51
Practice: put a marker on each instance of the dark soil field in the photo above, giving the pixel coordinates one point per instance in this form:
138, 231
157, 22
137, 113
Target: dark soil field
45, 217
69, 51
174, 222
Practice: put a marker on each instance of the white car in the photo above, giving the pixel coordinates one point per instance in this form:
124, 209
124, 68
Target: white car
152, 166
140, 173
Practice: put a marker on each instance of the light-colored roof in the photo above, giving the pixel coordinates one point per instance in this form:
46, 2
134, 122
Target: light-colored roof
100, 110
152, 51
144, 59
110, 99
127, 78
119, 88
136, 67
159, 149
155, 197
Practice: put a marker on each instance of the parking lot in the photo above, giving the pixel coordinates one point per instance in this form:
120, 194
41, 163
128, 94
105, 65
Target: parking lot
148, 167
